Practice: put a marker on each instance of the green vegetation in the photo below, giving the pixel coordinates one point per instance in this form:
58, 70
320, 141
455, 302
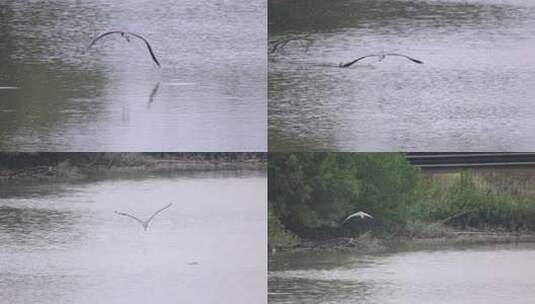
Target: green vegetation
278, 235
311, 193
470, 202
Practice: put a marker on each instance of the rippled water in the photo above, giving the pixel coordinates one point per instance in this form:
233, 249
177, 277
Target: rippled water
209, 95
62, 243
474, 91
483, 274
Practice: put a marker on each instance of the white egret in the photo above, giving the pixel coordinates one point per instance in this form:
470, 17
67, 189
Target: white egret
360, 214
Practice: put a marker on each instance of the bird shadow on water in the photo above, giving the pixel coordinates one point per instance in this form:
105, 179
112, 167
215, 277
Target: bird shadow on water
156, 89
153, 93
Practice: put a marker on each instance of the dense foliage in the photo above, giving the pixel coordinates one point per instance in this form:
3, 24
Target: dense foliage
313, 192
310, 194
470, 201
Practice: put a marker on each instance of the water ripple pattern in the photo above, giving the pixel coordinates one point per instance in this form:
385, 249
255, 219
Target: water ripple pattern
474, 91
463, 274
63, 243
101, 100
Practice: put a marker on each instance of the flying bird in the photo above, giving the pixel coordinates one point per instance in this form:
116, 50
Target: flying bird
381, 56
360, 214
125, 35
146, 223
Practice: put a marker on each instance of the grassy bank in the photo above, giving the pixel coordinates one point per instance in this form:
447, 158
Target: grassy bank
311, 194
78, 165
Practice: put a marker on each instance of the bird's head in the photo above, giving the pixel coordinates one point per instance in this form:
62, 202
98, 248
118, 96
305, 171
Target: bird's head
125, 36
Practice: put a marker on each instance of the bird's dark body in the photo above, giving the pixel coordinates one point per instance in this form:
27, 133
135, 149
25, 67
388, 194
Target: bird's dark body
126, 36
381, 57
143, 223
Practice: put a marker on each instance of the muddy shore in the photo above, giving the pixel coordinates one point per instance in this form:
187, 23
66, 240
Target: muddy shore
77, 170
367, 244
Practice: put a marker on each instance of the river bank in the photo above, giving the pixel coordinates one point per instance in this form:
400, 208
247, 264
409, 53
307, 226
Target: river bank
80, 165
368, 244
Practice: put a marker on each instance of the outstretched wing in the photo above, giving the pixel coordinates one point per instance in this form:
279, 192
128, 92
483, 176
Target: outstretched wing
364, 214
410, 58
148, 46
359, 214
130, 216
100, 36
157, 212
349, 217
345, 65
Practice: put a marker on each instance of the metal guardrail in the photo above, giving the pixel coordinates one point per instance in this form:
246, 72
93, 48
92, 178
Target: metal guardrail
465, 160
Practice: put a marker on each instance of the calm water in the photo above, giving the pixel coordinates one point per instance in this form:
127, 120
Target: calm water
209, 95
62, 243
484, 274
475, 90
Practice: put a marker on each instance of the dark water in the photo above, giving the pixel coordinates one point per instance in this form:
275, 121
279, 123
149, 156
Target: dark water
62, 243
482, 274
475, 90
209, 95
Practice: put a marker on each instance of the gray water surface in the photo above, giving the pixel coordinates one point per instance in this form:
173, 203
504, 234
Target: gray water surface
63, 243
474, 92
209, 95
480, 274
